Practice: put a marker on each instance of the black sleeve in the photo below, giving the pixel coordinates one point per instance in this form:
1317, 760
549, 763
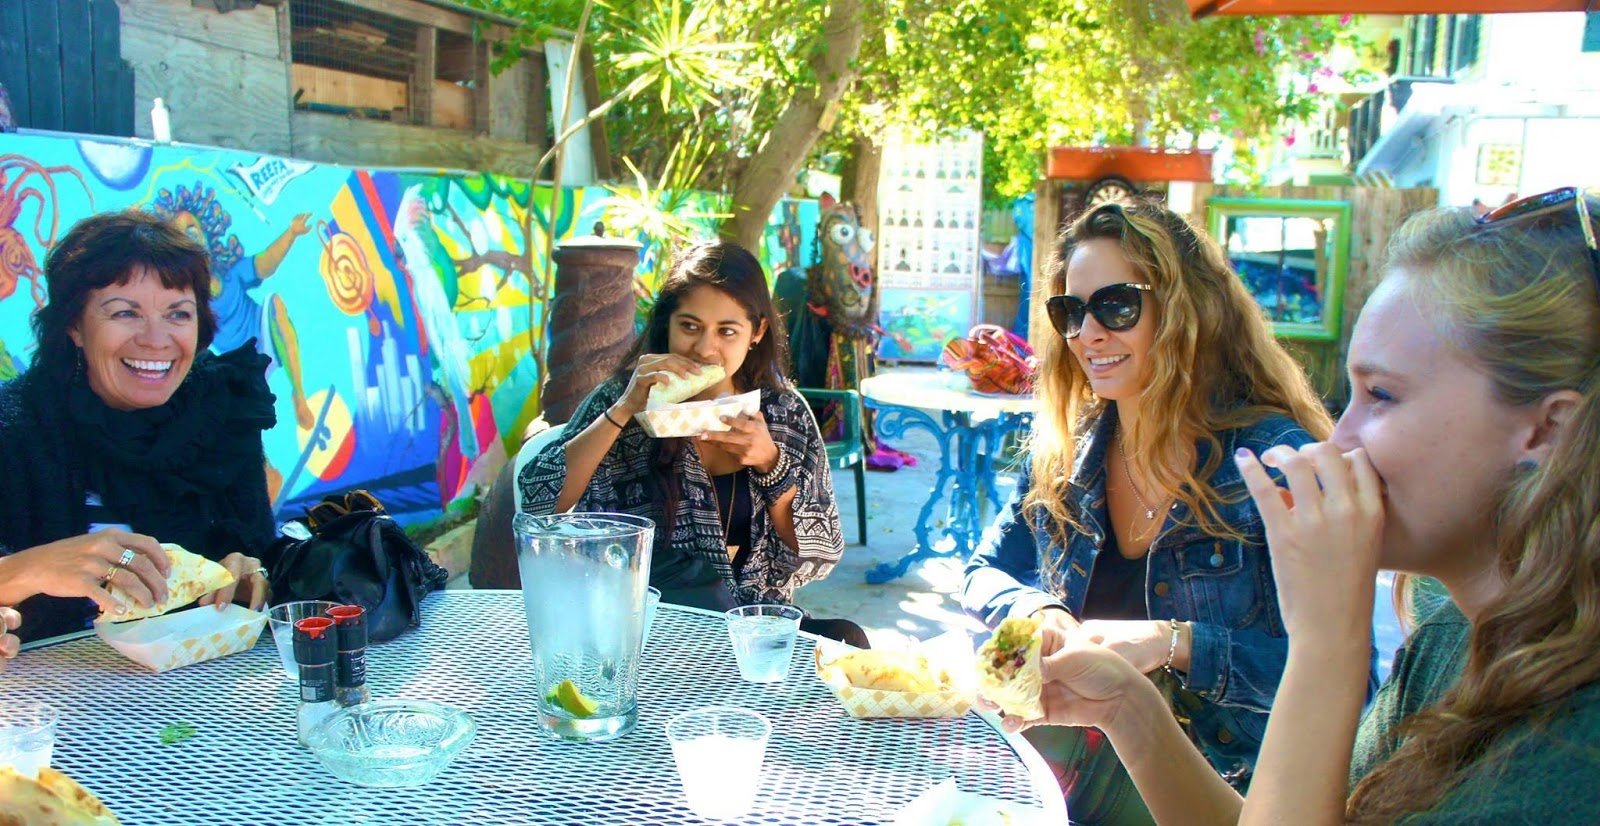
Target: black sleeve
246, 522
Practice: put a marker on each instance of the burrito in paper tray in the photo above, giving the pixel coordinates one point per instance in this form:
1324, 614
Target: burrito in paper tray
160, 640
51, 799
668, 416
931, 680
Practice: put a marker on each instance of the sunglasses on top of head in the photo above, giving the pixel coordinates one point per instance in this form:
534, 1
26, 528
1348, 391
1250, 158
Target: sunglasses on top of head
1116, 306
1553, 202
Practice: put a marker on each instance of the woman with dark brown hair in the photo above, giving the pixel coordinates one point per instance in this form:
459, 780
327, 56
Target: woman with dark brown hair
743, 516
125, 432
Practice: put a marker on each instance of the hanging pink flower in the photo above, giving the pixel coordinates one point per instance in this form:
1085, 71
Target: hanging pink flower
1313, 89
1261, 42
1288, 140
1344, 19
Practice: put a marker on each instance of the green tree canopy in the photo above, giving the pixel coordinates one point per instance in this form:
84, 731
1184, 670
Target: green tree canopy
1030, 75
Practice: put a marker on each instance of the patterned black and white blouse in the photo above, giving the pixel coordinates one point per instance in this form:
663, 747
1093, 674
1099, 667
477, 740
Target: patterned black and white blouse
623, 484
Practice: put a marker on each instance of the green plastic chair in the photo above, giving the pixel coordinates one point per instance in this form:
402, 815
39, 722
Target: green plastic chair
850, 451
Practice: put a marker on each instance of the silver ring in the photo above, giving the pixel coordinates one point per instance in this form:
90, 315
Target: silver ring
127, 558
260, 572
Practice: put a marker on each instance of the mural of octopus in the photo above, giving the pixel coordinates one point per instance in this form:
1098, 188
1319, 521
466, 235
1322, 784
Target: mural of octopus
17, 261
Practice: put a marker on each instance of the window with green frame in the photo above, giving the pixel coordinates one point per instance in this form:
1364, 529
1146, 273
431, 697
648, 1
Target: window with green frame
1292, 255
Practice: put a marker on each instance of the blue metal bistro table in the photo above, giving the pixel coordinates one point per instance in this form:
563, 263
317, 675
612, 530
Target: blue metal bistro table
970, 429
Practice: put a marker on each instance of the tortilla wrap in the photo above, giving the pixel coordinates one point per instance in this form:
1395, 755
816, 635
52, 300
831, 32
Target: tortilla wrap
54, 799
892, 671
191, 577
1008, 668
679, 388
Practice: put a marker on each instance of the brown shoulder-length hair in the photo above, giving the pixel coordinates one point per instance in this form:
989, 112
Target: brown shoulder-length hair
1214, 366
103, 250
1520, 300
732, 270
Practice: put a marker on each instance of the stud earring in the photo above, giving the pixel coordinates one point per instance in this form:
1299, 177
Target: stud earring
1527, 466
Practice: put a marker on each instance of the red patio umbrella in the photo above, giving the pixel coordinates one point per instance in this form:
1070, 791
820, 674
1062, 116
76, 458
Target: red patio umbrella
1204, 8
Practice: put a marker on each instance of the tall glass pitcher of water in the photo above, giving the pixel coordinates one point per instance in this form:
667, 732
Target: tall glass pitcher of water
584, 581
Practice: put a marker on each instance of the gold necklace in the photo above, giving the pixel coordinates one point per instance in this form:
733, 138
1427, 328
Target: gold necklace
1149, 512
727, 520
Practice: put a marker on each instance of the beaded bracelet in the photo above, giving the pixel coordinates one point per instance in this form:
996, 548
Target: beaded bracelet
774, 477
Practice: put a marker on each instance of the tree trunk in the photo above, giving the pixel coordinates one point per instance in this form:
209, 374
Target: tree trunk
863, 185
772, 169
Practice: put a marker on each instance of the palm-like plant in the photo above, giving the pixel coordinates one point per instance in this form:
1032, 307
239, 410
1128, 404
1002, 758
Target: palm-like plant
668, 212
678, 53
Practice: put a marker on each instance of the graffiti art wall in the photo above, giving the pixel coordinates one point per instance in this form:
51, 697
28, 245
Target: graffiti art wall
402, 311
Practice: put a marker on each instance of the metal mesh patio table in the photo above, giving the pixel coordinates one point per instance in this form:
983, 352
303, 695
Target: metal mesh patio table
243, 765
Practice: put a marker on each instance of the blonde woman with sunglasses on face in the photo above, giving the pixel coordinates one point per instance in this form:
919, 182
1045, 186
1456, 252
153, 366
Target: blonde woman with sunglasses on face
1469, 454
1132, 527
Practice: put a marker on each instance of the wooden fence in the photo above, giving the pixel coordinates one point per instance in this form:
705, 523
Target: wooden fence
61, 61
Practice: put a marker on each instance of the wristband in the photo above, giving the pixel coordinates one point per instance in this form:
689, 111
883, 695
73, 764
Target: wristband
607, 413
1172, 648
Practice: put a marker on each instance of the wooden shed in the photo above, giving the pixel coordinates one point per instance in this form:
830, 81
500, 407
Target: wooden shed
368, 82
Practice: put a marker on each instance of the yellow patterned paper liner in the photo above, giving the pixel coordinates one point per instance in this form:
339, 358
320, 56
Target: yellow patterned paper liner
876, 702
185, 637
693, 418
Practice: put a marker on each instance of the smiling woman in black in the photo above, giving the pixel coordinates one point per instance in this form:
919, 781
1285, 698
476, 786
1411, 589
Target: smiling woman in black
125, 432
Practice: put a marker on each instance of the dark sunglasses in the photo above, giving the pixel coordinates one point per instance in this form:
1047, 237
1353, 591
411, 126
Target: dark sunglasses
1554, 201
1115, 306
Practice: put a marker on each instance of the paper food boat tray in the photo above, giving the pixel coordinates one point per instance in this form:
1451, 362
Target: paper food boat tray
186, 637
875, 702
693, 418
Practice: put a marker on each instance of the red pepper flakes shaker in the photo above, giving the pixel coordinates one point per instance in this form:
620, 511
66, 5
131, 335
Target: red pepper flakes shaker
350, 667
314, 652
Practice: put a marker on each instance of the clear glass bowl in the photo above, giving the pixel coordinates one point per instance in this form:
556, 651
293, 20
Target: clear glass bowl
391, 743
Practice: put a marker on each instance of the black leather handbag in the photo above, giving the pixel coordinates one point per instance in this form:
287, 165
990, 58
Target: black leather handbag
351, 551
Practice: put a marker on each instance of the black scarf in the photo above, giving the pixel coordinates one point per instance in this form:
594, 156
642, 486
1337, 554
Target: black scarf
184, 472
160, 463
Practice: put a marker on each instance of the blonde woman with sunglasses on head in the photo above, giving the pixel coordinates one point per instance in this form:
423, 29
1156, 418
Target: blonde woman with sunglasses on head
1468, 454
1132, 527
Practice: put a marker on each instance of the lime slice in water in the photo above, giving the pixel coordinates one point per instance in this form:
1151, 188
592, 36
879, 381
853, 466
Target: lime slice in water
570, 699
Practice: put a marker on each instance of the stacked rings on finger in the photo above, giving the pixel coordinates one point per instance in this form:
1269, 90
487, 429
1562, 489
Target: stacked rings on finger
127, 558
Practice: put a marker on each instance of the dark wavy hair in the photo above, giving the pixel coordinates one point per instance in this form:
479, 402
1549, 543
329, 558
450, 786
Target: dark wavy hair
732, 270
106, 249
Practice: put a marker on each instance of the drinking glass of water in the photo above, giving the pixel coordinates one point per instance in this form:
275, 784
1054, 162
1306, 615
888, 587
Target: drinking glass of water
718, 751
763, 640
27, 736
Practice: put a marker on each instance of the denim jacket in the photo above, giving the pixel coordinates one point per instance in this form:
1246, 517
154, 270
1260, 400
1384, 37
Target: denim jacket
1223, 588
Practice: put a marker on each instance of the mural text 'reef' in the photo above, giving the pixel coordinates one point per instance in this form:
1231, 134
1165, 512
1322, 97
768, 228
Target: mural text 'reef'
401, 310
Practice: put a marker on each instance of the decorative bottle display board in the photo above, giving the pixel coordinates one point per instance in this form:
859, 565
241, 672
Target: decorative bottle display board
930, 210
